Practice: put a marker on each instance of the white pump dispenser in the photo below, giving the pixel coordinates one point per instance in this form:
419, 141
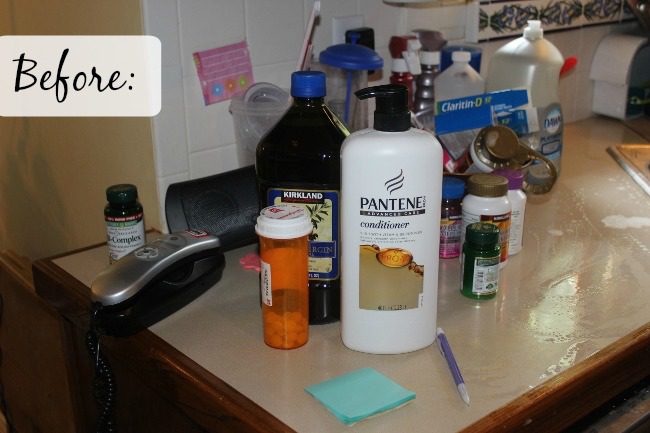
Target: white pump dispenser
391, 183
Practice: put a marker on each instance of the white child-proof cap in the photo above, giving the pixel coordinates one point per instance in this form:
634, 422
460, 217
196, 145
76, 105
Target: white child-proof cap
399, 65
430, 57
283, 222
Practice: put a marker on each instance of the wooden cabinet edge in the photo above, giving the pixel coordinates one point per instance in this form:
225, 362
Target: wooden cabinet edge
566, 398
206, 399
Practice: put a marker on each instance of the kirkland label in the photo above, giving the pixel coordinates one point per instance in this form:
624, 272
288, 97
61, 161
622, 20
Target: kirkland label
322, 206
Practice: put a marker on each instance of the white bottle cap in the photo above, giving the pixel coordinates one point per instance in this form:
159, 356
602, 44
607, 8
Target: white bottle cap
399, 65
461, 56
283, 222
413, 45
534, 30
430, 57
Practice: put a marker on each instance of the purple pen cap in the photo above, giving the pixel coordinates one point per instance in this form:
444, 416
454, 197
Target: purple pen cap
515, 177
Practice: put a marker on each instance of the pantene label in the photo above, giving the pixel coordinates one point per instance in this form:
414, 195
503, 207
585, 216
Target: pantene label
393, 216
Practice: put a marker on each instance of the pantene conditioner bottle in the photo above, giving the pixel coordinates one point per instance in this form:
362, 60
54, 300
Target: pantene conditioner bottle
391, 183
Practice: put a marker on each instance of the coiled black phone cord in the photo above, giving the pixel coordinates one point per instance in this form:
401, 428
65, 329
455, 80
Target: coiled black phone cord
3, 402
103, 382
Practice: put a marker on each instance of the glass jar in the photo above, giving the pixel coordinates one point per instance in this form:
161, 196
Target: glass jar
124, 219
480, 261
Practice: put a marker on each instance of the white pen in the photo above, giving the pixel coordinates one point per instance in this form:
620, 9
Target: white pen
445, 349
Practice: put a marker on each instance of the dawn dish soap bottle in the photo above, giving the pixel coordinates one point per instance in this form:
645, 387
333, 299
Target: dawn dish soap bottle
298, 163
391, 184
533, 63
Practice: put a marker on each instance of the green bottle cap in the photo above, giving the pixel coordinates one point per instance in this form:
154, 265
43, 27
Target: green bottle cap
482, 234
122, 193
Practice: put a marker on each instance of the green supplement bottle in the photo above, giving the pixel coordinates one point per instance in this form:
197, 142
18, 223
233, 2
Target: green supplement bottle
124, 219
298, 163
479, 267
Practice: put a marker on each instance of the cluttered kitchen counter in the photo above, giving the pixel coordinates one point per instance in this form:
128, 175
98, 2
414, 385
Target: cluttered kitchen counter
568, 329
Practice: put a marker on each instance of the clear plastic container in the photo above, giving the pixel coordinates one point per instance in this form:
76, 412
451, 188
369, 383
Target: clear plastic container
458, 80
254, 112
346, 67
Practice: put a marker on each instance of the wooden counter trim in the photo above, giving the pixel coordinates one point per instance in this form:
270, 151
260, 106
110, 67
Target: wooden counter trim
573, 394
207, 400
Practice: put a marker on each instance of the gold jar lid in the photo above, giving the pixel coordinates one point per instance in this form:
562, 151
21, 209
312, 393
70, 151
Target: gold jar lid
487, 185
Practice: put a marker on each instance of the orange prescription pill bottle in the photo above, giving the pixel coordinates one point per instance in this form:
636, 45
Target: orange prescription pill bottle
283, 231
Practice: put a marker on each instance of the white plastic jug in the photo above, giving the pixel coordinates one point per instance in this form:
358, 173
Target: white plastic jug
533, 63
458, 80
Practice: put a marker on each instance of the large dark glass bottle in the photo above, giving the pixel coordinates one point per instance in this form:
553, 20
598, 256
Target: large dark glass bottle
298, 162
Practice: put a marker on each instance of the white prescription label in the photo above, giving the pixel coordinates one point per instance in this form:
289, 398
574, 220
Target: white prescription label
80, 76
265, 286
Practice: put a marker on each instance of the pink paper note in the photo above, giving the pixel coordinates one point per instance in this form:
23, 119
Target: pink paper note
223, 71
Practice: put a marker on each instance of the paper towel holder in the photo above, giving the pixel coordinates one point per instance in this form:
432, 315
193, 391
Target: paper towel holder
619, 92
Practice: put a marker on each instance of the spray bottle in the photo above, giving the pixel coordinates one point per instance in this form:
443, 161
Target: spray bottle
405, 65
391, 183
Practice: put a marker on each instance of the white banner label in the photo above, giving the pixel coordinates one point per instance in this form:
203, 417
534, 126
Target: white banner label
81, 76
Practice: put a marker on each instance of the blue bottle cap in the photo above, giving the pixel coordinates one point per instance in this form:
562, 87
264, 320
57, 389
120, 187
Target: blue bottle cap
452, 188
308, 84
352, 57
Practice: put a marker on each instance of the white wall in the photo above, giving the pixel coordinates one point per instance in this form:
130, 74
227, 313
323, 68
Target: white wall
192, 140
54, 170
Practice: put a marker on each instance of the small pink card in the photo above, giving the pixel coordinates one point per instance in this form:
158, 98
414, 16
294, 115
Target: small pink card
224, 71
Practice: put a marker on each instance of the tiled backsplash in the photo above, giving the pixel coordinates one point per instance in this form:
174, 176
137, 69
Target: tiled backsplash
499, 18
193, 140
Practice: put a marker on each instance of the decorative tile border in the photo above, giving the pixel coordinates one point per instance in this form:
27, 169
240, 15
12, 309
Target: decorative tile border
505, 18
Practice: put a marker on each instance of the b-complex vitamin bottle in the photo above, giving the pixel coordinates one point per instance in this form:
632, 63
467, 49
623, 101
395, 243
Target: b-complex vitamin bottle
487, 201
298, 163
479, 268
124, 218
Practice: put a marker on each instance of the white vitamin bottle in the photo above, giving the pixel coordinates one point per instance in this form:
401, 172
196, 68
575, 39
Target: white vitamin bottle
391, 184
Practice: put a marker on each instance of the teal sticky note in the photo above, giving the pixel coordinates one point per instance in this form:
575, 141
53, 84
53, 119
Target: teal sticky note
360, 394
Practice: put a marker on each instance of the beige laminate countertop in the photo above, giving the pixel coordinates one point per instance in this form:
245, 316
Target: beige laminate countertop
581, 282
